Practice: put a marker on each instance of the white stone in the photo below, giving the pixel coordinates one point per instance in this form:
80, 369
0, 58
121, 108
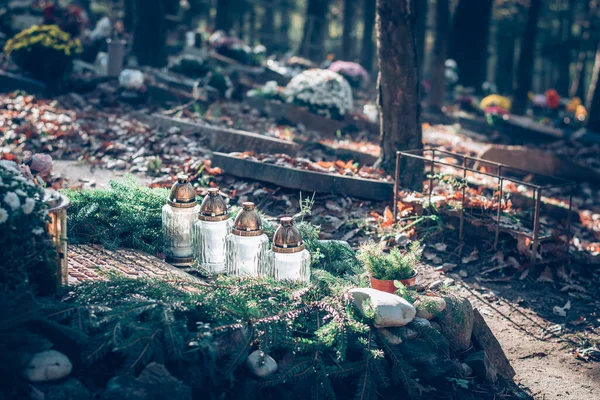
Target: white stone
390, 310
47, 366
261, 364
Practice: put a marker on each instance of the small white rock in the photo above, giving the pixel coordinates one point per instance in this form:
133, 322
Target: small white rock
261, 364
390, 310
47, 366
467, 369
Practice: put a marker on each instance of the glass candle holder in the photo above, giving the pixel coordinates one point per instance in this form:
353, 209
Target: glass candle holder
210, 231
246, 245
178, 217
288, 259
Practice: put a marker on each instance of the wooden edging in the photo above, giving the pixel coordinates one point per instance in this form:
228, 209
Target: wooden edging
225, 139
11, 82
298, 115
300, 179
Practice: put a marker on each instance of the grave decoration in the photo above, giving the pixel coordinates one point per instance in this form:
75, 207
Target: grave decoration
243, 336
210, 231
247, 244
321, 91
178, 217
288, 257
26, 252
44, 52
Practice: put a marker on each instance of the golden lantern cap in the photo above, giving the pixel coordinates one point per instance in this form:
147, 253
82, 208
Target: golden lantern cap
182, 193
287, 237
213, 207
247, 222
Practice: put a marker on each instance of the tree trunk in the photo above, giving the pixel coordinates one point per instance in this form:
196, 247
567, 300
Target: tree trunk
267, 26
564, 61
252, 26
578, 84
440, 54
593, 98
526, 59
285, 24
226, 16
315, 30
421, 9
469, 41
129, 15
150, 36
367, 47
505, 64
398, 85
349, 27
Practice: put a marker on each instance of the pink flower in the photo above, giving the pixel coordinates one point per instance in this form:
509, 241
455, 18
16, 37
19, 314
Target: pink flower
41, 164
350, 69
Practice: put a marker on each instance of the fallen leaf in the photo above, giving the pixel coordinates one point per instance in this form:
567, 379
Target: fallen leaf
388, 218
474, 256
440, 246
560, 311
546, 276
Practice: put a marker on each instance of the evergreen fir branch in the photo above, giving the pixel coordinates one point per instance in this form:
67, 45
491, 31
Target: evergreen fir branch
296, 371
322, 388
401, 369
366, 384
432, 336
346, 370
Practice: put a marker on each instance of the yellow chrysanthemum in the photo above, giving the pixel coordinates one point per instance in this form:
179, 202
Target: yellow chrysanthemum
495, 100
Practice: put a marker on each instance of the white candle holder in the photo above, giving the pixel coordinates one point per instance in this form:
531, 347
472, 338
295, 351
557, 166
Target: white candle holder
210, 232
246, 245
178, 217
288, 259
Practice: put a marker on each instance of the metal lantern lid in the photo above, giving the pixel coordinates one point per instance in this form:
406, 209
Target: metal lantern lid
213, 207
287, 238
247, 222
182, 193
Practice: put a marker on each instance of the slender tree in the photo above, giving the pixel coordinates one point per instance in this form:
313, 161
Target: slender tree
368, 48
509, 19
267, 31
421, 10
129, 15
226, 17
398, 85
150, 35
315, 30
285, 10
564, 58
593, 99
578, 83
469, 41
526, 59
440, 51
349, 27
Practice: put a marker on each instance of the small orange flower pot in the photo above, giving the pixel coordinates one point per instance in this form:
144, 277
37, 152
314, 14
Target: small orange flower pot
388, 285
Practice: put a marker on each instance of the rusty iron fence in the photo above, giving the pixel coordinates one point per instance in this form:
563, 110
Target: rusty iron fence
471, 167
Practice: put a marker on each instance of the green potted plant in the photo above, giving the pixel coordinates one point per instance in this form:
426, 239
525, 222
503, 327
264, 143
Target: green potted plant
385, 268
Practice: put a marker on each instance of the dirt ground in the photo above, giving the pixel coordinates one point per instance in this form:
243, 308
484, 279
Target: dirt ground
521, 317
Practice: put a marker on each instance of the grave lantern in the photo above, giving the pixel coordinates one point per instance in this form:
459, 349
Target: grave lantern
210, 231
178, 217
246, 245
57, 229
288, 259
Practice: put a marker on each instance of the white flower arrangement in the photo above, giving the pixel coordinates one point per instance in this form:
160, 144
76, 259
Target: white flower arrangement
324, 92
20, 202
